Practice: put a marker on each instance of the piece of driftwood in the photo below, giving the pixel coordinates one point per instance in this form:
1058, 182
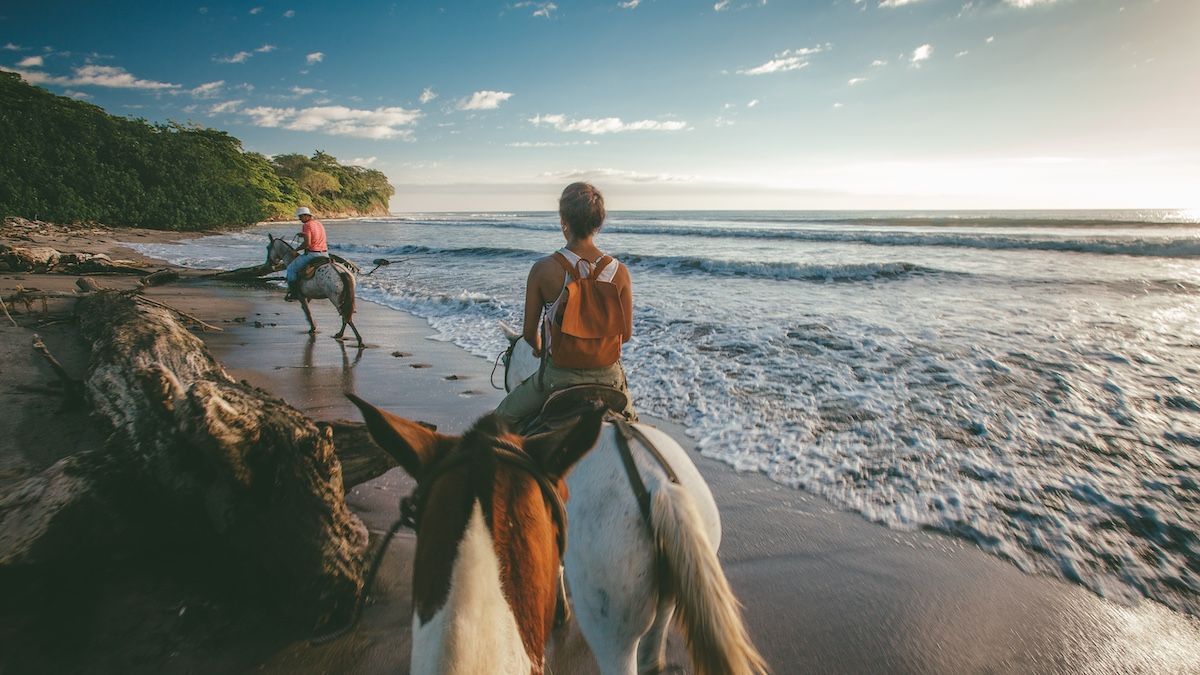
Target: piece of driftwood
244, 273
189, 317
361, 458
72, 388
163, 276
4, 306
86, 285
212, 468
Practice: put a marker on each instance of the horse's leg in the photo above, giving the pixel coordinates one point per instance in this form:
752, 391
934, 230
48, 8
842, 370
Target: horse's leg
338, 307
312, 326
610, 560
356, 333
652, 651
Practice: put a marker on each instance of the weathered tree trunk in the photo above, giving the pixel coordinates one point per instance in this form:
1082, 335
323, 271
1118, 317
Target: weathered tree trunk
215, 467
245, 273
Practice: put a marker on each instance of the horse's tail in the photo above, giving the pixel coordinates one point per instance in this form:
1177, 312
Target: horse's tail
346, 303
707, 611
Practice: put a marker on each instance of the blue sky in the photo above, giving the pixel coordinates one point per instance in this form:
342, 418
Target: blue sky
738, 104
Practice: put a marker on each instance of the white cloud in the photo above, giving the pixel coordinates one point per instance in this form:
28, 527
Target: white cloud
962, 53
8, 46
255, 10
721, 6
484, 100
363, 161
752, 103
540, 9
77, 94
630, 4
239, 57
991, 39
1025, 4
208, 89
189, 108
427, 95
855, 80
302, 91
788, 59
224, 107
896, 3
921, 53
97, 76
243, 56
549, 144
30, 62
605, 125
837, 105
380, 123
289, 14
617, 175
878, 62
315, 57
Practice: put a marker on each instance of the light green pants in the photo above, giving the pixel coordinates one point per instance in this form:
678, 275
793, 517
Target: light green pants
528, 398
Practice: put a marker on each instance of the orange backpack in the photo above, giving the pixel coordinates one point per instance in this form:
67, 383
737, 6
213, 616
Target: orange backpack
588, 332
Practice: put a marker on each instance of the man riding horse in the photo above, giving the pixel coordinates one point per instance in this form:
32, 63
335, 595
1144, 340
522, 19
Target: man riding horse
315, 246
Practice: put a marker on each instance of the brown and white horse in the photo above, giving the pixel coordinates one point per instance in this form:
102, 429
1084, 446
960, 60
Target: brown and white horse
491, 528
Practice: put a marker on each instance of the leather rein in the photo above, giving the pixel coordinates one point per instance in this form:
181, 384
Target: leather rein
505, 452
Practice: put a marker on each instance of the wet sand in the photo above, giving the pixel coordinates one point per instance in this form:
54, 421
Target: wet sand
824, 590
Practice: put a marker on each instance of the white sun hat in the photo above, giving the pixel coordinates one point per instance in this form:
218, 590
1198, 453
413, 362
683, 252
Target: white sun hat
303, 211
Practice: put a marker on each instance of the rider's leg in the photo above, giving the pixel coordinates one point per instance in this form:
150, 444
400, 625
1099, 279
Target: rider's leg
293, 274
528, 398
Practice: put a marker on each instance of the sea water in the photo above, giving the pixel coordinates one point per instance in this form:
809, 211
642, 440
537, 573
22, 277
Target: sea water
1026, 380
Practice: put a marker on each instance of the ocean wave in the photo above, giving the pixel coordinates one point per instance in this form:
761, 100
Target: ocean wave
778, 270
1161, 247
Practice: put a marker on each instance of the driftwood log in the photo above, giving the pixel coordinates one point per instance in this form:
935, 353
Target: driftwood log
251, 273
211, 467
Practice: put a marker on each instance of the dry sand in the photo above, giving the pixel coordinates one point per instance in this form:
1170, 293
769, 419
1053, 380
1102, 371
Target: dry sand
824, 590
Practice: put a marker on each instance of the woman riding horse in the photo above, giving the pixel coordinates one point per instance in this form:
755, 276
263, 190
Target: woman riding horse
578, 311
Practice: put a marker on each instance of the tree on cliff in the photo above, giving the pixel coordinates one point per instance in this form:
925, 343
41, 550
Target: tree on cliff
70, 161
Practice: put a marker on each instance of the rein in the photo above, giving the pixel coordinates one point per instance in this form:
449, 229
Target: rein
413, 504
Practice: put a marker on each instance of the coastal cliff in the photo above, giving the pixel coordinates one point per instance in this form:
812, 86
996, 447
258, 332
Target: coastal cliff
71, 162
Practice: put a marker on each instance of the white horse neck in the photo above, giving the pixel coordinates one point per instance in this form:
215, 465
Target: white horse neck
521, 364
475, 631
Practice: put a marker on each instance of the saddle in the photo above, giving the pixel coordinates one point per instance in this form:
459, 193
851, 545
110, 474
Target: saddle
310, 270
566, 405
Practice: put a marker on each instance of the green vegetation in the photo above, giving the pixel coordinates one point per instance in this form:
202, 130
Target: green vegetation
69, 161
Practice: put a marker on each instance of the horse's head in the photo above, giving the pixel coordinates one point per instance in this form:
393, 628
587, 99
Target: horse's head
278, 251
491, 530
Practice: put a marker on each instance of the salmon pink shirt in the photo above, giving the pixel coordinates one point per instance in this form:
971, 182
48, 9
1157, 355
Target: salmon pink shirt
314, 234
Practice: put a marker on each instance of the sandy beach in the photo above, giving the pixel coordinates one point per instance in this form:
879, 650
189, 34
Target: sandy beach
824, 590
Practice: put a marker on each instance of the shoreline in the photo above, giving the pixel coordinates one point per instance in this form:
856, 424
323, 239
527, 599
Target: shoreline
824, 589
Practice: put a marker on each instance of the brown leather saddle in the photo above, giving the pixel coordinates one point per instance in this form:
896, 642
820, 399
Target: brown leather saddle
566, 405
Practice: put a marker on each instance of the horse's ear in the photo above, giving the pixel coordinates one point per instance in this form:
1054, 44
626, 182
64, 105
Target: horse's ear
270, 237
509, 332
412, 444
558, 450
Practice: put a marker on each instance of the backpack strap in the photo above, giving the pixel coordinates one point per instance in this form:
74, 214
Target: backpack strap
566, 265
599, 266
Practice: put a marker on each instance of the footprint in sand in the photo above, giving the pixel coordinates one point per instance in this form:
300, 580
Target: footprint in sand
456, 377
401, 355
420, 365
470, 392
